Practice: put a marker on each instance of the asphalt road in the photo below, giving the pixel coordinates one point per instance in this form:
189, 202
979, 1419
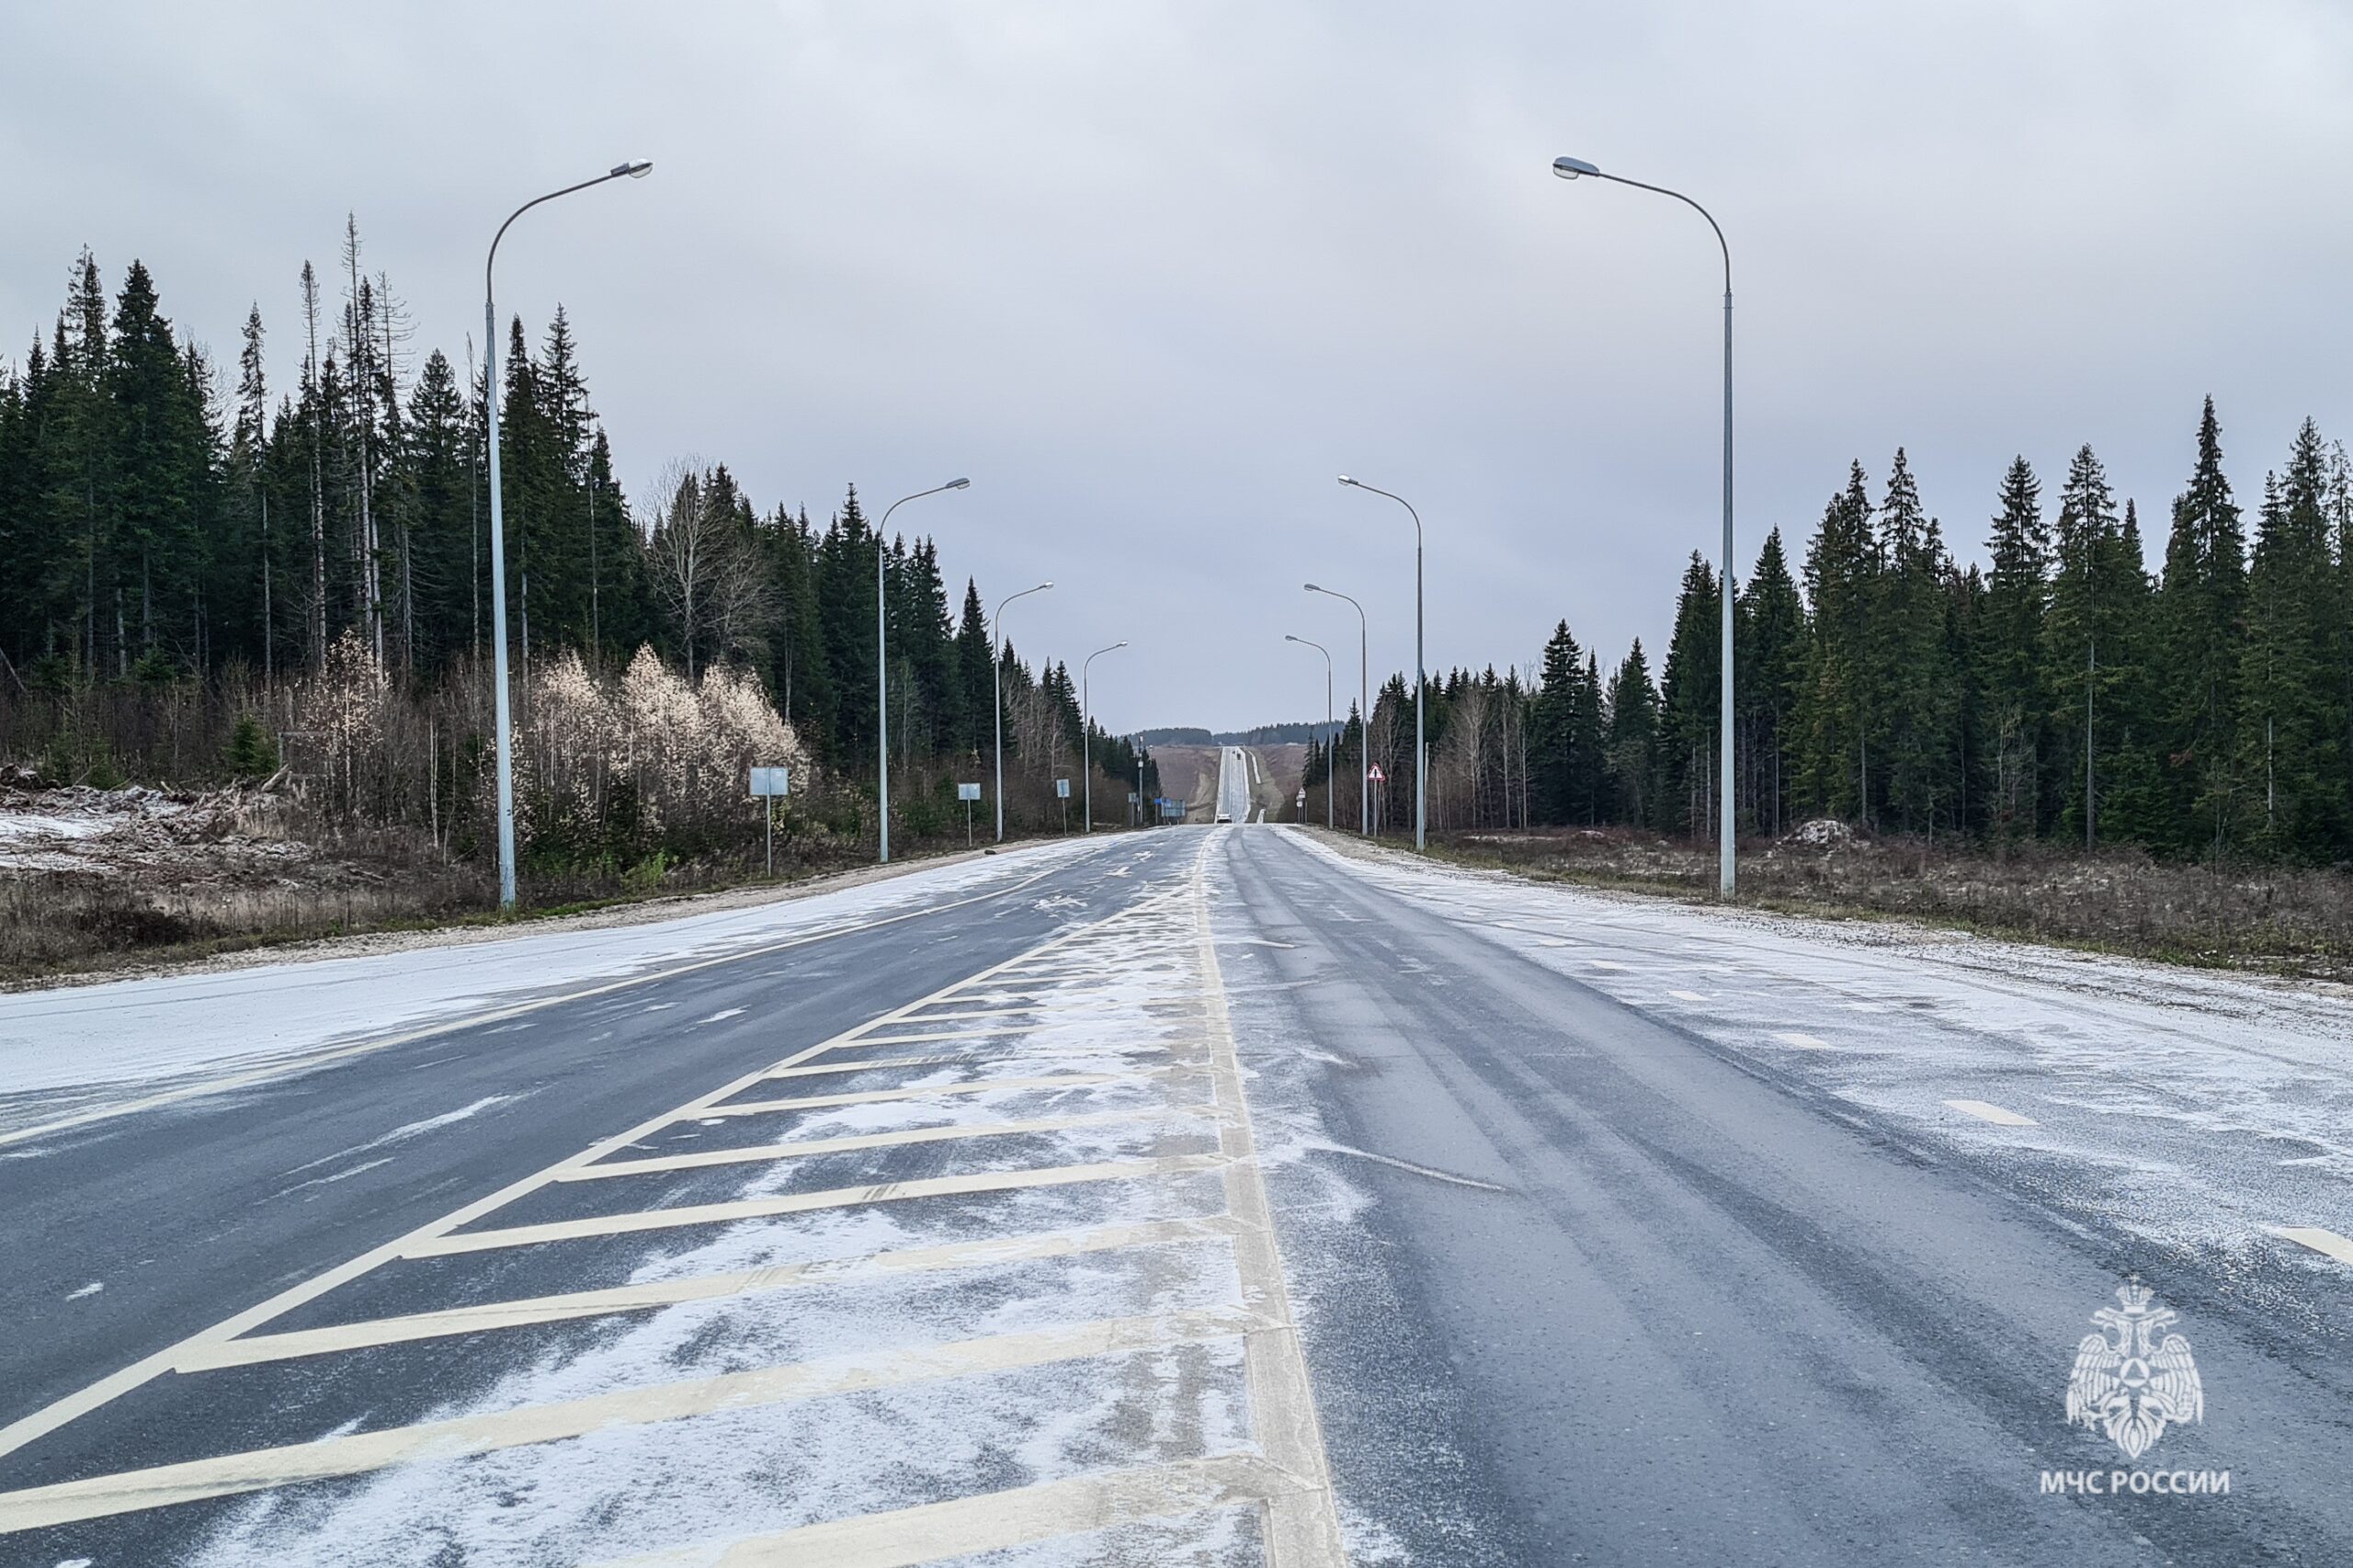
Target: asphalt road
1562, 1276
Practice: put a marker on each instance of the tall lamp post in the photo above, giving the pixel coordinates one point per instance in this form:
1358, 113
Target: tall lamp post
1364, 714
883, 661
996, 626
1327, 717
1421, 676
635, 168
1086, 730
1574, 168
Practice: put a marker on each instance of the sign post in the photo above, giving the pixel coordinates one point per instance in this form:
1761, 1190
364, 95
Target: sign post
768, 785
1061, 793
968, 793
1381, 798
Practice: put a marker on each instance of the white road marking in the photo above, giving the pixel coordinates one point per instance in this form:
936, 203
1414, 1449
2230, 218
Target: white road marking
804, 1202
1300, 1526
1802, 1041
949, 1133
1303, 1528
1984, 1111
1020, 1516
930, 1039
1608, 963
919, 1090
256, 1348
2328, 1242
1687, 995
37, 1507
57, 1412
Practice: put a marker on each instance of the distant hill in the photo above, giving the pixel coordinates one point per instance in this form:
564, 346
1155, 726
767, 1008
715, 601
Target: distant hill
1264, 735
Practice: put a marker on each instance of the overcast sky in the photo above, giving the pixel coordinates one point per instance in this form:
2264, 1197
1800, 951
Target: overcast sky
1153, 274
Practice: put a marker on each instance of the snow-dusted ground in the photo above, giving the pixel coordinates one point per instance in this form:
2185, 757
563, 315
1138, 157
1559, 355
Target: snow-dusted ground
143, 1031
2199, 1110
1127, 1033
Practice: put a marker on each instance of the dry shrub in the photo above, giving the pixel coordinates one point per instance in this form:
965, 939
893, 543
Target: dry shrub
2122, 900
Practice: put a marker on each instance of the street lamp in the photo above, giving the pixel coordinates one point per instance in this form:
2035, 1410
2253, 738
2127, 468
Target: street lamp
996, 626
1327, 719
1364, 715
883, 661
635, 168
1421, 678
1573, 168
1087, 731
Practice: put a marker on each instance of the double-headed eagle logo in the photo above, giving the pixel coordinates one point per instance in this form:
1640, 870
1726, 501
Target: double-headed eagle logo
2133, 1386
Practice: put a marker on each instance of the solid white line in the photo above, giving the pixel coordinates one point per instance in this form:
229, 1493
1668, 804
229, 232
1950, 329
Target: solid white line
256, 1348
2328, 1242
1984, 1111
952, 1133
642, 1219
995, 1521
1802, 1041
261, 1470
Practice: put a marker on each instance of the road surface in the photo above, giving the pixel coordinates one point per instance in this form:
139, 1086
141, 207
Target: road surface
1206, 1196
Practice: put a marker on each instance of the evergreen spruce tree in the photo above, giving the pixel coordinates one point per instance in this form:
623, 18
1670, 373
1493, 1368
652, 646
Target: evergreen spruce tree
1915, 704
1630, 752
1689, 694
1842, 572
1770, 637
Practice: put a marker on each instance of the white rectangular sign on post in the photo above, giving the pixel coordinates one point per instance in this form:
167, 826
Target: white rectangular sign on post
767, 783
1061, 789
968, 792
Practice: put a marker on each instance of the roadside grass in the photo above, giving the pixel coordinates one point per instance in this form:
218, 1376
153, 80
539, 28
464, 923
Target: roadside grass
2282, 920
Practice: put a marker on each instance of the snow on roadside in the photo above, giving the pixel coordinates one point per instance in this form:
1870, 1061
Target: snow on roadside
137, 1031
2194, 1110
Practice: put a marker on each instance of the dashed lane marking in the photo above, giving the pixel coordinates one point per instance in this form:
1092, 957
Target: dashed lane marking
1985, 1111
1687, 995
1802, 1041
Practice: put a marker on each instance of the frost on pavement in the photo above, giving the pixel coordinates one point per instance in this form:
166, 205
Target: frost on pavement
884, 1292
64, 1045
2193, 1110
